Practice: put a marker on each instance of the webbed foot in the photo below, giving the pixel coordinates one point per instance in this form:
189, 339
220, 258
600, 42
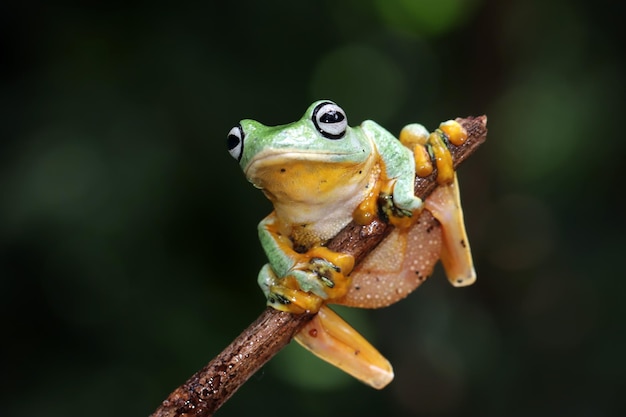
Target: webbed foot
445, 205
319, 275
429, 147
330, 338
390, 212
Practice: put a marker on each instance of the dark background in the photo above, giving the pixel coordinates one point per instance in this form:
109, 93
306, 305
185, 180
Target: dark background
128, 248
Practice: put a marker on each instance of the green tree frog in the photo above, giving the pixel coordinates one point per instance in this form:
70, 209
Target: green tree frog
320, 174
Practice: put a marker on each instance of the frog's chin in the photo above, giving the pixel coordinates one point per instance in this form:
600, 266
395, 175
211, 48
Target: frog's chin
303, 179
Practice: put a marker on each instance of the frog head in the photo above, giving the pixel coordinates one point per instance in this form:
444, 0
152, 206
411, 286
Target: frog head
314, 156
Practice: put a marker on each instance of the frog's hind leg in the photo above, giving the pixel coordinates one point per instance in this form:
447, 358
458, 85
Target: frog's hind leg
398, 265
330, 338
445, 202
445, 205
405, 258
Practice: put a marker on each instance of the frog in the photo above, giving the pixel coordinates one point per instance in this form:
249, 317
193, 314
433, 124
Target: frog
320, 174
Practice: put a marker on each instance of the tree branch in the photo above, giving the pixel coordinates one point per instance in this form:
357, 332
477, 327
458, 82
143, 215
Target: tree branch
209, 388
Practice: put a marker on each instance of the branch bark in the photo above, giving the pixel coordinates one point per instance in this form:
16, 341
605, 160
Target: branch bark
209, 388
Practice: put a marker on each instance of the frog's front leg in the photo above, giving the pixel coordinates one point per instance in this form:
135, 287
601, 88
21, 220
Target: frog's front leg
300, 282
399, 169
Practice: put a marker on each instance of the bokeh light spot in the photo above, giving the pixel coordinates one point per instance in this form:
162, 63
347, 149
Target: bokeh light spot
362, 80
424, 17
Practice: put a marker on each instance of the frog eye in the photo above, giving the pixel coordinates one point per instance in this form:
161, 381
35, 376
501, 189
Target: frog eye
235, 142
330, 120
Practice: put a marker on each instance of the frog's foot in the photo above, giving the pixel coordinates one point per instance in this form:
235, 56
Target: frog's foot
283, 293
454, 131
384, 202
323, 272
415, 137
319, 275
392, 213
445, 205
330, 338
293, 301
448, 132
429, 147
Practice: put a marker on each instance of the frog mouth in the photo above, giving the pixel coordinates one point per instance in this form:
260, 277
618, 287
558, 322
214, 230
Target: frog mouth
266, 159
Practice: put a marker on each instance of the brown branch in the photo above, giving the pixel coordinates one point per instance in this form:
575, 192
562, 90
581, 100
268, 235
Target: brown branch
209, 388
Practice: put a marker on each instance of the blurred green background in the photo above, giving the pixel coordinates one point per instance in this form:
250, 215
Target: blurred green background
128, 248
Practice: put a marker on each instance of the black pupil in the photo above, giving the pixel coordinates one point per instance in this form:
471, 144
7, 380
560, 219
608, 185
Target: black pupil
233, 141
332, 116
